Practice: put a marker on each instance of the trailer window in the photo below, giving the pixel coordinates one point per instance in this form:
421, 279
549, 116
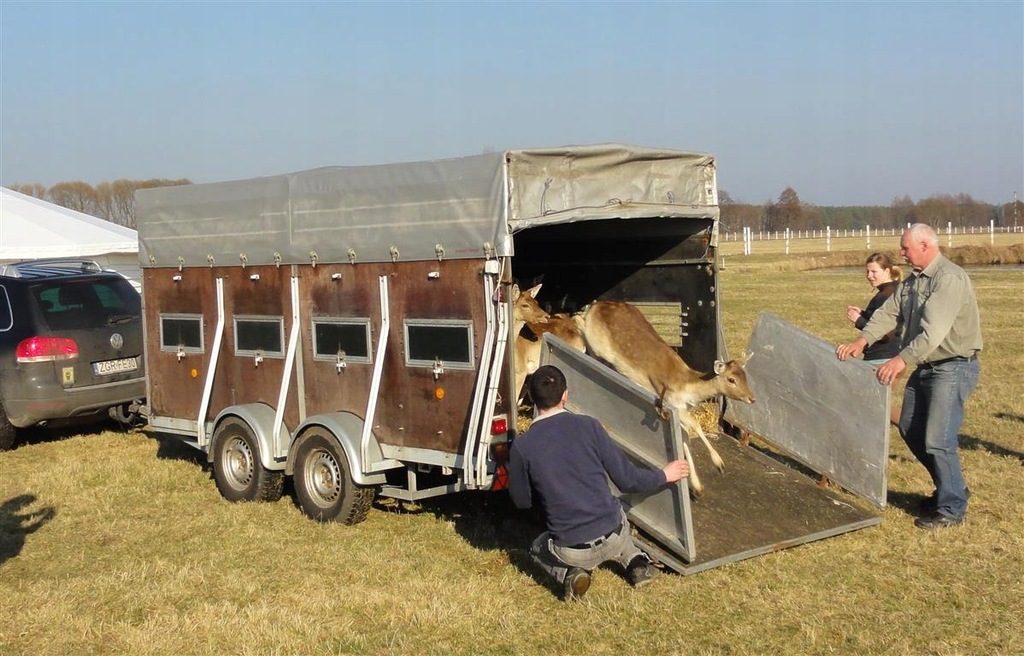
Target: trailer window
181, 333
447, 340
262, 335
336, 337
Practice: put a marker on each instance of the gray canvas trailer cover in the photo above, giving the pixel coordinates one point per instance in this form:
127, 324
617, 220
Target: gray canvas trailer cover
461, 208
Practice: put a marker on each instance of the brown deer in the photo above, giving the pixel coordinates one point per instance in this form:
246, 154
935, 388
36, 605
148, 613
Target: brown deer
525, 309
620, 334
527, 312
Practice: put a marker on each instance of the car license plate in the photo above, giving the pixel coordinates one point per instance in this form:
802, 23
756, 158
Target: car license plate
114, 366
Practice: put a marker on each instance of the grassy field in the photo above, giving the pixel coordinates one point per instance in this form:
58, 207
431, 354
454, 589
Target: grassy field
118, 543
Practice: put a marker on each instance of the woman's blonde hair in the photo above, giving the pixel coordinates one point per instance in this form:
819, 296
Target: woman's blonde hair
884, 261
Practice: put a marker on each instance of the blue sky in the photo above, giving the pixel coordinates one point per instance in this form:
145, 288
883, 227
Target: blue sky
848, 103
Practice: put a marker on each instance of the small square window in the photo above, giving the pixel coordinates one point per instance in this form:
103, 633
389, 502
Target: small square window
447, 340
263, 335
335, 337
181, 333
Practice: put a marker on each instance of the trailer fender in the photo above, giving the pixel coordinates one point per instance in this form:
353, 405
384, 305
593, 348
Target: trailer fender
259, 417
347, 429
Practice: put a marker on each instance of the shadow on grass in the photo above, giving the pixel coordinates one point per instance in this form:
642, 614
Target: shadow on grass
490, 522
486, 520
16, 523
908, 502
172, 448
45, 434
975, 444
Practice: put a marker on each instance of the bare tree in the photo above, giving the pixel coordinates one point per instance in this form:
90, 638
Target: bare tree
33, 189
117, 201
734, 214
787, 212
78, 196
904, 212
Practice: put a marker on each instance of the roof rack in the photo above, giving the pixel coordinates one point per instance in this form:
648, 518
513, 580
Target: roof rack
42, 268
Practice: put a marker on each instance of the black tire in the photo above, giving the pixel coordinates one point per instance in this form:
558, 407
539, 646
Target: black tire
236, 465
7, 431
323, 481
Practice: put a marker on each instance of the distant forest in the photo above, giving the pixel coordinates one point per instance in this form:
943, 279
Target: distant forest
115, 202
940, 210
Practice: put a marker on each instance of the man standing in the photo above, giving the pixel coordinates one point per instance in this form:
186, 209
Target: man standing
566, 460
942, 336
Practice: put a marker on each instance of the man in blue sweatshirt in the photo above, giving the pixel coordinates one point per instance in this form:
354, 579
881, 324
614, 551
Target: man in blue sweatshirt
566, 461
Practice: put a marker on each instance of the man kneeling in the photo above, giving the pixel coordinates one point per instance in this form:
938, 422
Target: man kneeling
566, 460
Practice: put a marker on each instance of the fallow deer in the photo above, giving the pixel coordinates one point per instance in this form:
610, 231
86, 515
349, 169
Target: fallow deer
619, 334
526, 311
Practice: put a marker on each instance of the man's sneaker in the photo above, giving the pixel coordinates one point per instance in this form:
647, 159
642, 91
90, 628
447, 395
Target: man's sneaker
930, 504
576, 584
937, 520
640, 573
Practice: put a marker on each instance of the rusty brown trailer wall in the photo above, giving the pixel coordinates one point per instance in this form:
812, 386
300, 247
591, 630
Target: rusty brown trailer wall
409, 412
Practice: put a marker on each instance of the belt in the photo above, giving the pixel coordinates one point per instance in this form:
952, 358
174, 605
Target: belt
596, 542
958, 358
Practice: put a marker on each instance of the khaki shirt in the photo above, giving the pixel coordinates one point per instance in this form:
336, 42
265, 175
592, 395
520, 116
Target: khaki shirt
939, 313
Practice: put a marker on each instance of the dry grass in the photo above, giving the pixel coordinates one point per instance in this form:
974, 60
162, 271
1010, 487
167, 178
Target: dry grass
118, 543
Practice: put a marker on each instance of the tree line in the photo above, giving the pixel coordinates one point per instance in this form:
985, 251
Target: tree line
115, 202
940, 210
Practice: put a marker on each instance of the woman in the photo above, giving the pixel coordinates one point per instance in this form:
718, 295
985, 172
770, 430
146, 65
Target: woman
884, 277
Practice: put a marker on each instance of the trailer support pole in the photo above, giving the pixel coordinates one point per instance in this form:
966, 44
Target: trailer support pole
218, 339
378, 369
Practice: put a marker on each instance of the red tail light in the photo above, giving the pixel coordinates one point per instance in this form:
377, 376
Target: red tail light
499, 426
46, 349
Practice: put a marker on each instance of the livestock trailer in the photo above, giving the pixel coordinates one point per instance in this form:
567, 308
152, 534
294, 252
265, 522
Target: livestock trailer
352, 327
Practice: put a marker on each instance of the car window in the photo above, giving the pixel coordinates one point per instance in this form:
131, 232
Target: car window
6, 316
84, 303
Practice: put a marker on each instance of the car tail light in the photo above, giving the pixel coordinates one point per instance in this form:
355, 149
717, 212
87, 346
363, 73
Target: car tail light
46, 349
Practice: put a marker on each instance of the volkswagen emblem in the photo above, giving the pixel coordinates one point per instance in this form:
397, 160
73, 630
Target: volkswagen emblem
117, 341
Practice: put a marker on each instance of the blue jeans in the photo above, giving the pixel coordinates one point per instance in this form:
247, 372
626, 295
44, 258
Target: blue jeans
556, 560
933, 410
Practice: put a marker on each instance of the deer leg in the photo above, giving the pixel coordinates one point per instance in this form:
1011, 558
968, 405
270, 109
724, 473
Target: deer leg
693, 479
527, 361
691, 426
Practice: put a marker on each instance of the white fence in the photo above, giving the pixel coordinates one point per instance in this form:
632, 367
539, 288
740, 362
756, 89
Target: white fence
748, 235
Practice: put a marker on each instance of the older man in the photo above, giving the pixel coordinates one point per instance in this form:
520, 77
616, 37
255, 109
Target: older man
942, 336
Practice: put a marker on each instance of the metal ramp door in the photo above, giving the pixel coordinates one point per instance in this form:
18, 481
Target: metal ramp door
629, 415
831, 416
759, 504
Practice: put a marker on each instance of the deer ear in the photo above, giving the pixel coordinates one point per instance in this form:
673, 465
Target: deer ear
515, 292
745, 358
719, 366
533, 291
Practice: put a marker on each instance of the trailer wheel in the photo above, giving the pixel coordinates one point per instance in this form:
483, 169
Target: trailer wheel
237, 468
323, 482
7, 431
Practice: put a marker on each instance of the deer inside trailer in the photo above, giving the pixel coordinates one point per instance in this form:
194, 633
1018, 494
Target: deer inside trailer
351, 327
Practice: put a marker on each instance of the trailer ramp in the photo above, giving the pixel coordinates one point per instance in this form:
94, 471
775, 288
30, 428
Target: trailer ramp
758, 505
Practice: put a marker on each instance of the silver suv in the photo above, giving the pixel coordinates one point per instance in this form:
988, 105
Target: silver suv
70, 345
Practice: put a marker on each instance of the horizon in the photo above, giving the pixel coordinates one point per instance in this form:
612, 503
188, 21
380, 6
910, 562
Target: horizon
850, 104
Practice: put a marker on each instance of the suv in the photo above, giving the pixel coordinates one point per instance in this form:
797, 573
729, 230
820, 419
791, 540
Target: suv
70, 345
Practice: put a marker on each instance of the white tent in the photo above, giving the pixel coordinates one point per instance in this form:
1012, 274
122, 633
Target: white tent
31, 228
